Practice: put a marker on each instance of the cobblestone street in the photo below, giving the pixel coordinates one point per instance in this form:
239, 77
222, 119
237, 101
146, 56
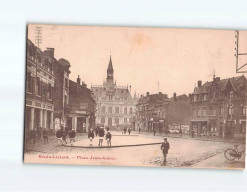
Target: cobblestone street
182, 153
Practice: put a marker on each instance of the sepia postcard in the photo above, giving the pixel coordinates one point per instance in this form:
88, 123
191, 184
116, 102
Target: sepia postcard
134, 96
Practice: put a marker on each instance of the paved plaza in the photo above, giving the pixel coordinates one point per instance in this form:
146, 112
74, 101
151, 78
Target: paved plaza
183, 152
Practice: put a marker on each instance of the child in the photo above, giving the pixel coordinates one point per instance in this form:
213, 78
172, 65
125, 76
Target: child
108, 138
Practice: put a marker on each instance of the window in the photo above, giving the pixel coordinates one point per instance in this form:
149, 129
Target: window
244, 110
204, 113
125, 110
204, 97
230, 110
194, 112
231, 95
66, 83
214, 111
125, 120
117, 110
109, 109
243, 127
221, 111
37, 87
125, 98
194, 98
49, 91
102, 119
130, 110
116, 121
110, 97
199, 112
103, 110
29, 82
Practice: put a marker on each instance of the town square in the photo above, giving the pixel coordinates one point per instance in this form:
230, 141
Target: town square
176, 114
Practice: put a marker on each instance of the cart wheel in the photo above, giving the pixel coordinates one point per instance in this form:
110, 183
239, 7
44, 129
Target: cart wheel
230, 154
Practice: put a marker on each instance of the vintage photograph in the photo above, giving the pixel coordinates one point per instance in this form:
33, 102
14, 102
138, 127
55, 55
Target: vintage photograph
134, 96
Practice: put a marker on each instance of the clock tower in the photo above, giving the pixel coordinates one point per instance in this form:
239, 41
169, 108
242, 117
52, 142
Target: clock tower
110, 71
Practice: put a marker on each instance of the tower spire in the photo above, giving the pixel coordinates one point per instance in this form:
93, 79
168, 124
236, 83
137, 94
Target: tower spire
110, 71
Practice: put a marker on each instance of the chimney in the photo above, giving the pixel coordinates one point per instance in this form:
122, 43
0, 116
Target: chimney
147, 93
174, 96
50, 51
78, 80
199, 83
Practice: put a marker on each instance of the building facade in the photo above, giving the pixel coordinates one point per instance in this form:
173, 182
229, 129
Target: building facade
152, 112
61, 93
39, 109
115, 106
81, 116
218, 107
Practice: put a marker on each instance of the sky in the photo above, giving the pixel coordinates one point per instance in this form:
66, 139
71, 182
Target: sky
149, 59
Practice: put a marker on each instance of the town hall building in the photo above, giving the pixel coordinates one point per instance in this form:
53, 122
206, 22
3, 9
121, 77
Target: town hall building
115, 105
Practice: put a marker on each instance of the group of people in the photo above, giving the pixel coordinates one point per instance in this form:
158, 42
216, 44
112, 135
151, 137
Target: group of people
62, 135
40, 132
125, 130
99, 131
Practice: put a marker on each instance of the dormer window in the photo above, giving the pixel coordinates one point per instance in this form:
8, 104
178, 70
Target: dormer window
231, 95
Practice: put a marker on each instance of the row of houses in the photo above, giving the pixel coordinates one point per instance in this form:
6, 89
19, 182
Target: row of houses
52, 99
216, 108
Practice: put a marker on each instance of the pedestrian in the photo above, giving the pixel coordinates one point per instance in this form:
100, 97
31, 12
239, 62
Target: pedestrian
139, 129
39, 131
72, 136
125, 130
34, 133
129, 130
192, 133
154, 131
101, 135
165, 147
64, 136
91, 135
45, 136
108, 137
59, 136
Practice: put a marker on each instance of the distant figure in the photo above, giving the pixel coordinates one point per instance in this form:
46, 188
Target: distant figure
59, 136
64, 137
165, 147
45, 136
34, 133
39, 131
154, 131
139, 129
72, 136
101, 135
125, 130
108, 137
96, 131
193, 133
91, 135
129, 130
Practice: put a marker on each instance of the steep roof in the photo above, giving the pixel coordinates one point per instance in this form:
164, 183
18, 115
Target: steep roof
236, 83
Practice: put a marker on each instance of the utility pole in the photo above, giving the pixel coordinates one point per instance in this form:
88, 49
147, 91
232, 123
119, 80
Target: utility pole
237, 54
38, 36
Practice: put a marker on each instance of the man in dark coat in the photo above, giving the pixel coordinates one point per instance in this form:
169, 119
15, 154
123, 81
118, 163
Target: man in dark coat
165, 147
91, 135
45, 136
101, 135
72, 136
108, 137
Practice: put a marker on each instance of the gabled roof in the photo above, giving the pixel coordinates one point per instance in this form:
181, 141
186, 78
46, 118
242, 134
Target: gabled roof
235, 82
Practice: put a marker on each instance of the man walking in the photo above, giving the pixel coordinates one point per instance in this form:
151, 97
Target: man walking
165, 147
91, 135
